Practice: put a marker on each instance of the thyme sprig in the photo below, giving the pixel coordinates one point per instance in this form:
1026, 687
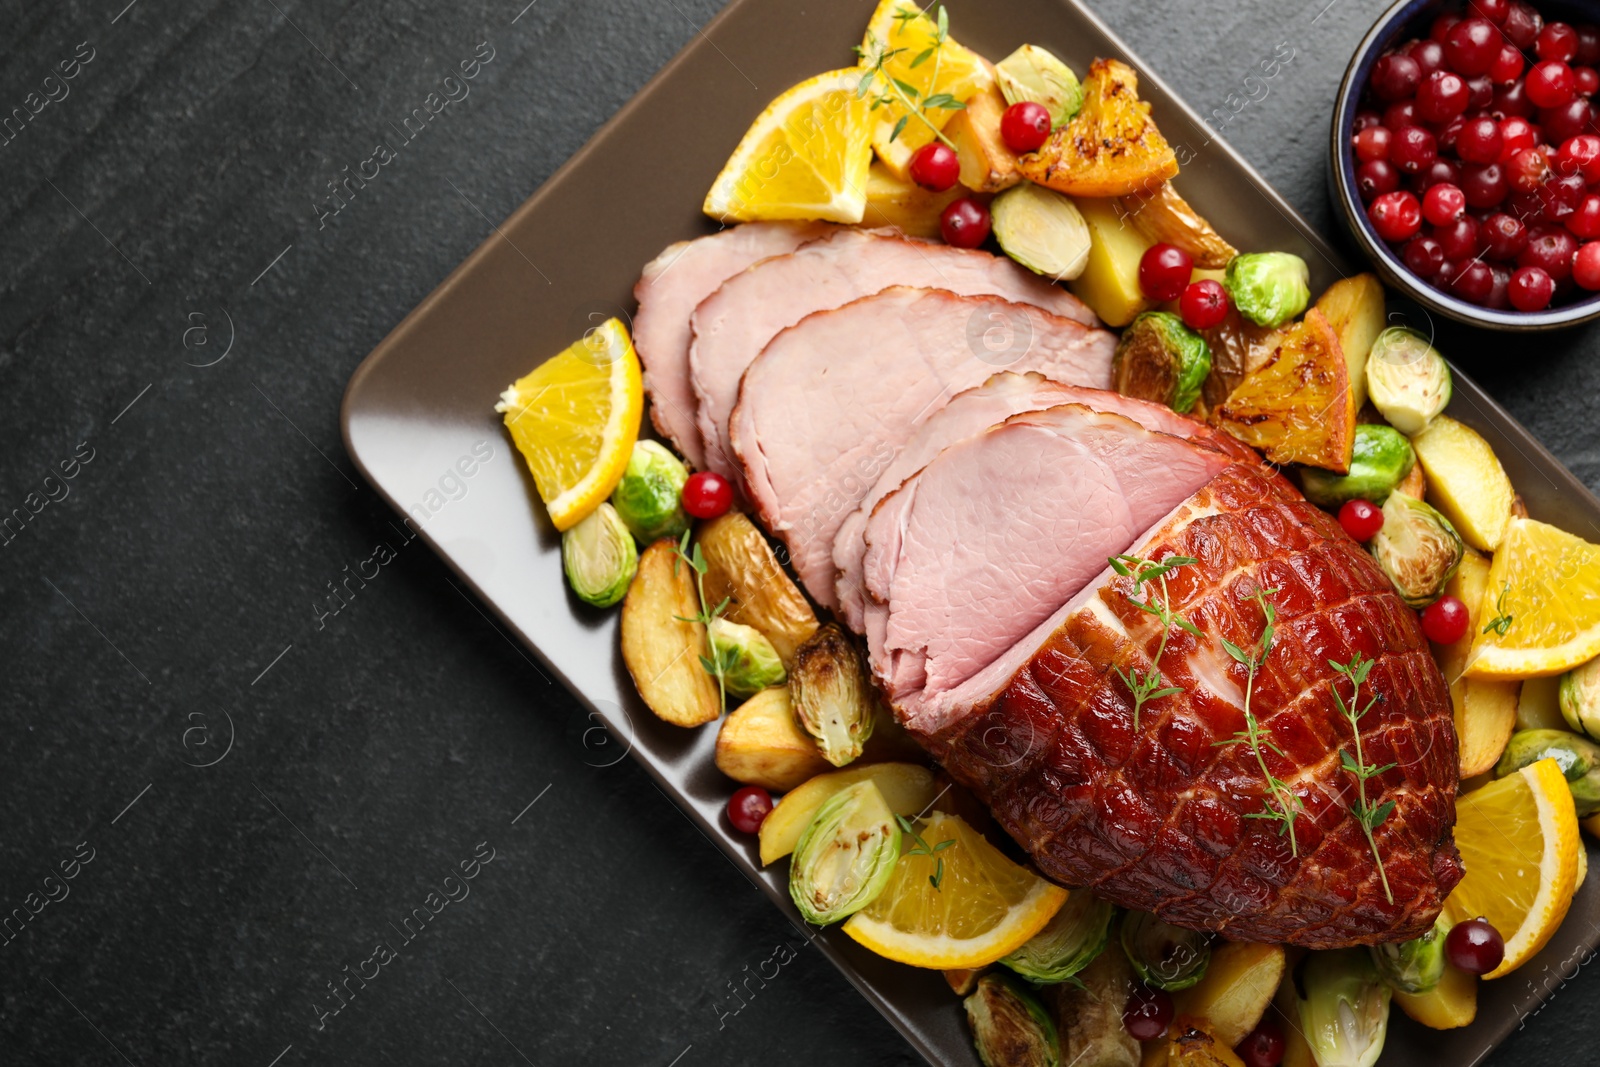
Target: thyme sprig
1369, 817
922, 848
1281, 805
723, 660
878, 53
1150, 685
1502, 618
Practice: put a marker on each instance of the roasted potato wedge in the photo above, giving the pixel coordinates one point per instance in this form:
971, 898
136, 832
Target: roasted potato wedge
1192, 1043
1162, 215
1485, 708
1111, 147
987, 165
1414, 484
1465, 481
1298, 407
1538, 704
1355, 309
1239, 984
761, 744
1109, 283
1450, 1004
662, 652
907, 787
901, 204
740, 565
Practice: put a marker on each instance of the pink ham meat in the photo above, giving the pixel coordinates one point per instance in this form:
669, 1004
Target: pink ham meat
732, 326
668, 291
831, 400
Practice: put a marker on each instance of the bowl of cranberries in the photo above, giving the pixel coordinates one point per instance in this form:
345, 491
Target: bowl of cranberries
1465, 158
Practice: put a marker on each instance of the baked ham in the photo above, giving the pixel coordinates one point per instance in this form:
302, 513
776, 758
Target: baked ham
831, 400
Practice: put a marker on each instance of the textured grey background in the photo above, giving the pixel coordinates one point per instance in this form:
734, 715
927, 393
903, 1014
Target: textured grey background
170, 603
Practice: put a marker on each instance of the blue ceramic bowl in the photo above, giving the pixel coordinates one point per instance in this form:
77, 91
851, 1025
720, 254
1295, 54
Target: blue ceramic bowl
1406, 19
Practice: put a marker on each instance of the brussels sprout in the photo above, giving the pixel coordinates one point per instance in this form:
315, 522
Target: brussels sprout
845, 855
1417, 548
1579, 695
600, 557
1408, 380
1009, 1026
1344, 1013
1165, 956
832, 700
1042, 230
1161, 360
1578, 758
749, 662
1413, 966
1068, 943
1033, 73
1379, 460
649, 496
1268, 288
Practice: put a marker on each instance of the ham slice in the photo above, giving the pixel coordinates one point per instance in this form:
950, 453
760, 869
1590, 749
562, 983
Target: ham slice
830, 401
734, 324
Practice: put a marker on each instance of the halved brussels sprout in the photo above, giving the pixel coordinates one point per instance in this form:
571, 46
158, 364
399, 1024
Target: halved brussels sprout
1165, 956
1417, 548
1042, 230
650, 493
1344, 1013
1268, 288
1408, 380
749, 662
1413, 966
1380, 459
599, 557
1578, 758
1161, 360
845, 856
1579, 696
832, 699
1034, 73
1010, 1028
1069, 942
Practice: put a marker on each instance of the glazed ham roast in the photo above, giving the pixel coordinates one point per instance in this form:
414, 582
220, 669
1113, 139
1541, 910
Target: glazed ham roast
957, 500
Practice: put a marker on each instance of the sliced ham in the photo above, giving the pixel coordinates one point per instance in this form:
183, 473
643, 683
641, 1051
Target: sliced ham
734, 324
831, 401
671, 287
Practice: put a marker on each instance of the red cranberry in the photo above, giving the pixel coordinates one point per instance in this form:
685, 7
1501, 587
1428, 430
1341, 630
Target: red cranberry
1458, 239
1164, 271
1568, 120
1588, 46
1513, 100
1586, 266
1497, 292
1479, 140
1471, 47
1376, 178
935, 166
1443, 204
1423, 256
1412, 149
748, 808
1580, 155
1527, 207
1402, 114
1507, 65
1550, 83
1560, 196
1440, 171
1480, 92
1441, 26
1395, 216
1474, 283
1556, 41
1148, 1013
1373, 143
1516, 134
1265, 1046
1204, 304
1025, 126
1522, 25
1442, 96
1474, 946
707, 494
1504, 236
1493, 10
1551, 250
1428, 54
1365, 120
1361, 519
965, 223
1586, 80
1528, 169
1531, 290
1585, 221
1395, 77
1446, 620
1484, 185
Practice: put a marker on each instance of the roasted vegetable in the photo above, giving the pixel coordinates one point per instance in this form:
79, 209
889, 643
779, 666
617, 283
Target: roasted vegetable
1162, 360
1239, 348
662, 650
845, 856
1417, 548
741, 567
1111, 147
1165, 217
1578, 758
987, 163
1579, 695
1269, 288
1010, 1028
1089, 1016
1034, 73
1354, 307
1192, 1042
1344, 1012
1450, 1004
901, 204
962, 980
1485, 708
1109, 283
906, 787
1413, 966
832, 699
760, 743
1379, 460
1407, 379
1465, 481
748, 660
1539, 704
599, 557
1165, 956
1297, 408
1042, 230
649, 495
1068, 943
1237, 988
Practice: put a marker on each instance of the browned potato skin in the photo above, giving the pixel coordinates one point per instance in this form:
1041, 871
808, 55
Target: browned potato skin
987, 165
761, 744
1164, 216
1415, 484
1191, 1044
740, 566
663, 652
1237, 988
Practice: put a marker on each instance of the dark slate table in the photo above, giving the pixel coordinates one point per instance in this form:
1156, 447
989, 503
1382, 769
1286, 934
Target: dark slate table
223, 787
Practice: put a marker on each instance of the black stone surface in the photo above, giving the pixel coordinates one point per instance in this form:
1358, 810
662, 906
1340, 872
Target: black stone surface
166, 606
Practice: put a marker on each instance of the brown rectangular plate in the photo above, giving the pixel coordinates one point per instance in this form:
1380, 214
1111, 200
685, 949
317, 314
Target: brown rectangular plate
567, 259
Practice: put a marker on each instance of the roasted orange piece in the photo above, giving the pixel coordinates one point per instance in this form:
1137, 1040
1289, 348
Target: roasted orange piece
1111, 147
1298, 407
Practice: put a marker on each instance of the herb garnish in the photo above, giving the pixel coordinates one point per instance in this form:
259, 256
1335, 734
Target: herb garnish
1502, 618
1150, 686
878, 53
1282, 805
1369, 817
923, 849
720, 662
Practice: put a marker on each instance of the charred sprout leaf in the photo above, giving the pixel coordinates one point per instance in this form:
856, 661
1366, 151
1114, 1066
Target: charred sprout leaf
1380, 460
1417, 548
1344, 1013
1268, 288
648, 496
747, 659
832, 699
1161, 360
1009, 1026
1165, 956
1042, 230
1579, 694
1414, 966
845, 856
1578, 758
599, 557
1033, 73
1408, 380
1069, 942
